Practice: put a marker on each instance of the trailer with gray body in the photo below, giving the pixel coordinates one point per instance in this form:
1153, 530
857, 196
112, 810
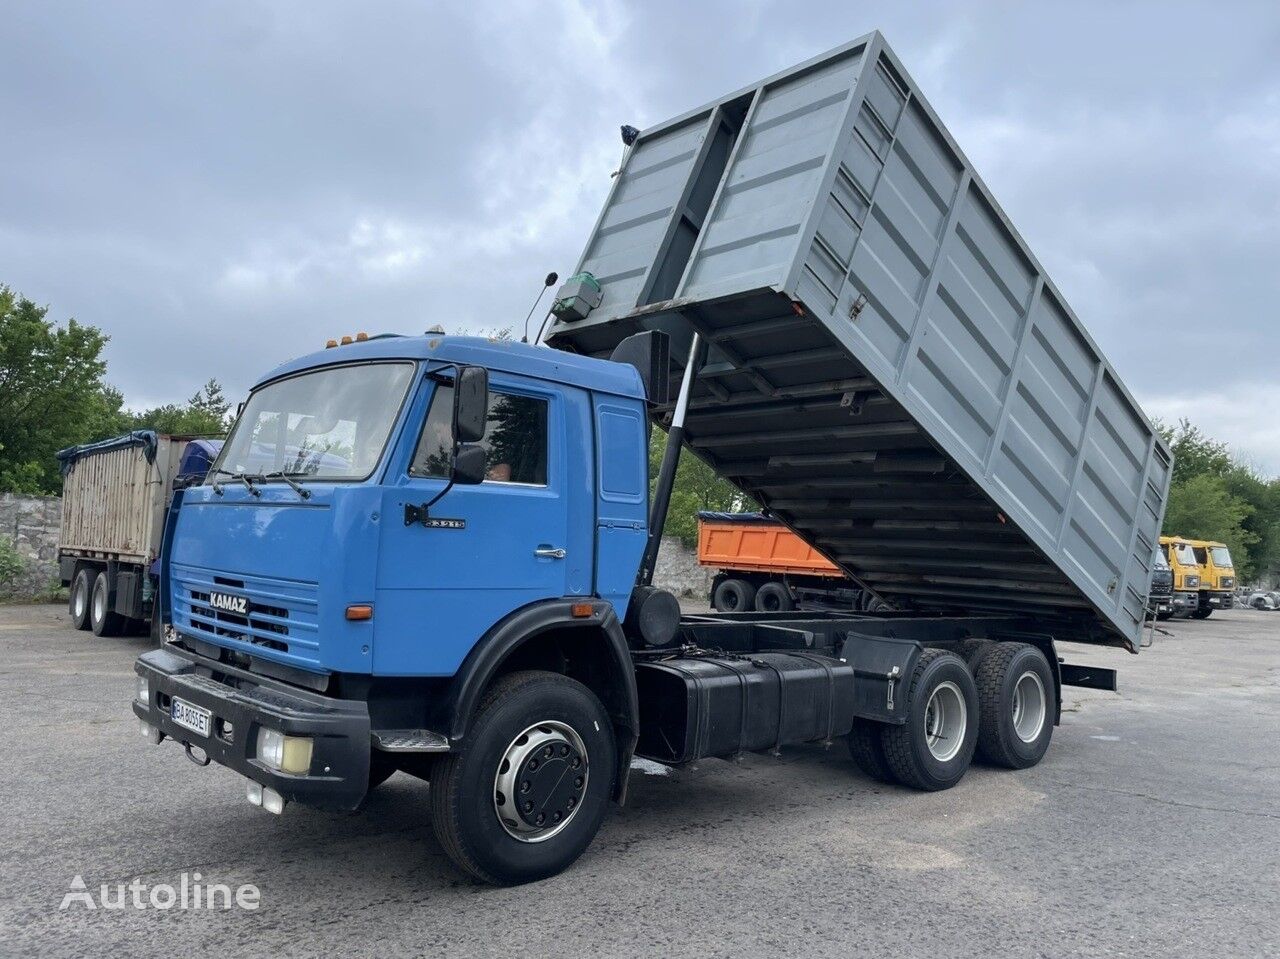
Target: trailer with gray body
888, 369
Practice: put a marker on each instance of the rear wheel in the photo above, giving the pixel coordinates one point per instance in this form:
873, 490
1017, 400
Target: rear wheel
102, 619
1016, 705
1163, 616
78, 605
774, 597
1204, 613
733, 596
527, 793
933, 748
867, 750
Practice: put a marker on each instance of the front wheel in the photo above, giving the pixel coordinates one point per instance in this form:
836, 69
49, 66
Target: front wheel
529, 790
1202, 613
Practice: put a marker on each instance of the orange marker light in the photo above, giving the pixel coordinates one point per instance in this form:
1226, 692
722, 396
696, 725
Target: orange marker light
582, 610
361, 337
358, 612
346, 341
330, 344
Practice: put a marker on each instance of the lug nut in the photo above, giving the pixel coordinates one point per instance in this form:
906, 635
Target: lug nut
533, 764
547, 752
555, 816
576, 762
541, 818
572, 802
528, 807
564, 750
577, 783
525, 786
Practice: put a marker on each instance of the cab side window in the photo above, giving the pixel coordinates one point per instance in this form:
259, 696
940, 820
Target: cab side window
515, 441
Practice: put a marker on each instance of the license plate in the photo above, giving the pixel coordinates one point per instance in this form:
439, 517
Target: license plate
194, 718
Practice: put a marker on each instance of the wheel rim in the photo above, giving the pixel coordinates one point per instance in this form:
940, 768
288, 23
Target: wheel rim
99, 604
541, 781
78, 600
1028, 707
945, 721
771, 603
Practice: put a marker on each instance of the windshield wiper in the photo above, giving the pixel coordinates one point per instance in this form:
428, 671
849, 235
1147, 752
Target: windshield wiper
245, 478
288, 478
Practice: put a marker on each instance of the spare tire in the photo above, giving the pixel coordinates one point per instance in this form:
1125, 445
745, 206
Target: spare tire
733, 596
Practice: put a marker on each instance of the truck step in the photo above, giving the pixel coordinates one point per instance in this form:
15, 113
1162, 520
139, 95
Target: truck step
409, 741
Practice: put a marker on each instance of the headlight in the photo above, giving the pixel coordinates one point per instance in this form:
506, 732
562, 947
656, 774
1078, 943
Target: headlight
143, 692
288, 754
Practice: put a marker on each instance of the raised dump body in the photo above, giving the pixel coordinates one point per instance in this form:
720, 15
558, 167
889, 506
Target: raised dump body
888, 369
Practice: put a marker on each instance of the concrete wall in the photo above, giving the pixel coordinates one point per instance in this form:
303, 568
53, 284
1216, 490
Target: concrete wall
679, 572
31, 523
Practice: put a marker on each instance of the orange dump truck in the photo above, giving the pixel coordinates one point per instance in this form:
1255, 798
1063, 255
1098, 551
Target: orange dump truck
764, 566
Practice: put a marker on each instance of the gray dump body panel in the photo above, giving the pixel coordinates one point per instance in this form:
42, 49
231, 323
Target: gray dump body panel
890, 372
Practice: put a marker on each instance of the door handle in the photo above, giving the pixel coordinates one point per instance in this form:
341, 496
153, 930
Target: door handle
548, 552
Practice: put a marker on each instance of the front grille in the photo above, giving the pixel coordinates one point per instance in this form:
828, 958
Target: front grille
281, 615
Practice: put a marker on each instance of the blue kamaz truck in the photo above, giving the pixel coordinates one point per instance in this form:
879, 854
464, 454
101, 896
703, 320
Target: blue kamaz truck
434, 554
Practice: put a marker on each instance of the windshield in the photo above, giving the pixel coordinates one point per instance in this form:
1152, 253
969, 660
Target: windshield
1157, 559
1221, 556
1185, 555
328, 424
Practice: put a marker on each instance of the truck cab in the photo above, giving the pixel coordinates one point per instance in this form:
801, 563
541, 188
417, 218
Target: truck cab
1185, 598
1217, 577
1160, 598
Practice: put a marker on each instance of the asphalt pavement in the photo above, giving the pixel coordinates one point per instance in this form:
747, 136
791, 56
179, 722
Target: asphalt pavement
1152, 828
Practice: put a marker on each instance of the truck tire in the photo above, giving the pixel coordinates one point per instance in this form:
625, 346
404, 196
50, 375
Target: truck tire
526, 720
933, 748
972, 650
774, 597
1016, 705
1202, 613
78, 604
102, 619
867, 751
733, 596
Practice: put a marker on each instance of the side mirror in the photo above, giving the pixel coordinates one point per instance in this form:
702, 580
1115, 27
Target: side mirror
469, 464
470, 404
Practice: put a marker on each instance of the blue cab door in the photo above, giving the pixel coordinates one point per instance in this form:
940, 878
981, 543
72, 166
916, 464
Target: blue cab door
509, 541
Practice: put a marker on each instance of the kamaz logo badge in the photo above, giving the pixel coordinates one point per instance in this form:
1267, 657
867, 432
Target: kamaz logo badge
230, 604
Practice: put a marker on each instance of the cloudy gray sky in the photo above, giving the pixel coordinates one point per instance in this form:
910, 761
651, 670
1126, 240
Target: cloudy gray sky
223, 185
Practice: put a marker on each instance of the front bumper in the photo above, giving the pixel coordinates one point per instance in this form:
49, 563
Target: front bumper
1181, 601
1217, 599
339, 774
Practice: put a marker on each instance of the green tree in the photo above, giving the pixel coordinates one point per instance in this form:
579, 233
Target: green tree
1194, 454
205, 414
697, 487
51, 392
